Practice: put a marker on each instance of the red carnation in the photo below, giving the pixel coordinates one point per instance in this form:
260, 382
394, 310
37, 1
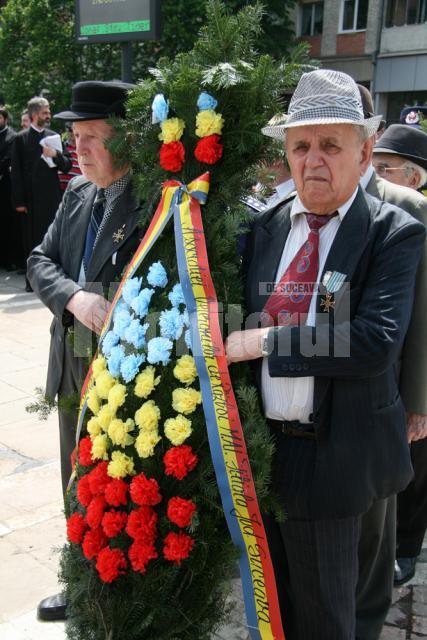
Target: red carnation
180, 511
179, 461
172, 156
76, 526
177, 546
99, 478
113, 522
93, 542
95, 511
140, 555
141, 524
116, 492
85, 452
145, 491
84, 494
209, 149
110, 564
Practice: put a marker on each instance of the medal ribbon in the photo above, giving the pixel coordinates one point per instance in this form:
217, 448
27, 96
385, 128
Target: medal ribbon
225, 433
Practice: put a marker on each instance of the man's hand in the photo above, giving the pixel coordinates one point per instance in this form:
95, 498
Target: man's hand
245, 345
49, 152
417, 426
21, 209
89, 308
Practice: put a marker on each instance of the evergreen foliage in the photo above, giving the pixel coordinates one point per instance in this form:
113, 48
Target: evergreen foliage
186, 601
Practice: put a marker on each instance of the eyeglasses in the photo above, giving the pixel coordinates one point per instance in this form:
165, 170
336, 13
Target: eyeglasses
383, 169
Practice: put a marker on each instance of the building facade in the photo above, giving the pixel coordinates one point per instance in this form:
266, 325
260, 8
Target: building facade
380, 43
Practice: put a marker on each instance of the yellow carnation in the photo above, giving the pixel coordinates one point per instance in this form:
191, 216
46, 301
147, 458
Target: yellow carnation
104, 382
99, 447
98, 365
105, 415
94, 427
208, 122
117, 396
185, 400
178, 429
119, 432
145, 382
172, 130
120, 465
145, 443
93, 400
148, 415
185, 369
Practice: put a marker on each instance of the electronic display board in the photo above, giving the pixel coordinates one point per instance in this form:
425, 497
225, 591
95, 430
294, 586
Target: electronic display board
117, 20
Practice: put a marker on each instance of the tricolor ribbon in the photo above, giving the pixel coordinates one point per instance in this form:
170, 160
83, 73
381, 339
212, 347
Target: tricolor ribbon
225, 433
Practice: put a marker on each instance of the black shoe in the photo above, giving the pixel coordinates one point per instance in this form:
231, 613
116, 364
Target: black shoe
52, 608
404, 570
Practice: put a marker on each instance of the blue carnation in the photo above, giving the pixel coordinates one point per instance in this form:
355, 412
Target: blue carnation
120, 306
171, 324
157, 276
142, 301
130, 366
135, 333
176, 296
109, 341
131, 289
206, 101
160, 108
115, 360
159, 350
187, 338
186, 318
122, 320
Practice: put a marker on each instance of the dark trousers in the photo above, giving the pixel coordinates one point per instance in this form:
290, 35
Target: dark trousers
315, 561
71, 383
376, 568
412, 506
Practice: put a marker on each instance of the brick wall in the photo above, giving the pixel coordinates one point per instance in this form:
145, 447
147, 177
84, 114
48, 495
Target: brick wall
315, 44
349, 44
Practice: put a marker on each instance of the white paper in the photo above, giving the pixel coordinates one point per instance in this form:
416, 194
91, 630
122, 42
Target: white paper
53, 142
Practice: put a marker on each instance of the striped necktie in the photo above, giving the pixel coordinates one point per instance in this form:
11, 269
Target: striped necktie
93, 227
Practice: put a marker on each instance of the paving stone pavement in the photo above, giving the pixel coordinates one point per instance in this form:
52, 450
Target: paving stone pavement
31, 518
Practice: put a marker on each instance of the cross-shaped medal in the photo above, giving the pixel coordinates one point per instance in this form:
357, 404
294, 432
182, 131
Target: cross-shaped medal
119, 235
327, 302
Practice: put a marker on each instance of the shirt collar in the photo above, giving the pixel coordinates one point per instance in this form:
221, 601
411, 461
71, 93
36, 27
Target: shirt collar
33, 126
364, 180
4, 129
115, 189
298, 207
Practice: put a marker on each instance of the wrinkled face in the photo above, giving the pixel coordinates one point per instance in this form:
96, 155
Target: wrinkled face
390, 167
42, 117
326, 163
96, 162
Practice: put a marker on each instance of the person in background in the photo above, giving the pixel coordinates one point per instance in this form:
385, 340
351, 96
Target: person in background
25, 119
400, 156
11, 253
326, 351
36, 193
70, 147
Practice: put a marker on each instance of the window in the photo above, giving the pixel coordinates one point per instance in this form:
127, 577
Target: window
354, 15
312, 19
401, 12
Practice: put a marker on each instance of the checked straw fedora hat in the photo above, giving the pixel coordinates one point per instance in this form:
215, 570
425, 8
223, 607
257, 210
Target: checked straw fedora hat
323, 96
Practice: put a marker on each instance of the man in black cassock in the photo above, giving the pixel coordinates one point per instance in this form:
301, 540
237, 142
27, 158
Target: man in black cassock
11, 254
36, 193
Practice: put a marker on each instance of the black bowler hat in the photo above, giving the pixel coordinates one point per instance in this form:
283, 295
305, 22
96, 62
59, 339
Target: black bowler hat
96, 100
408, 142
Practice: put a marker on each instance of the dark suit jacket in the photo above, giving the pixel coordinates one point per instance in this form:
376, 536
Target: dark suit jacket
54, 266
413, 373
359, 419
35, 185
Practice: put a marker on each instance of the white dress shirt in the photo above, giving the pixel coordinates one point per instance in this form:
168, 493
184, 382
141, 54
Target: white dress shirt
287, 398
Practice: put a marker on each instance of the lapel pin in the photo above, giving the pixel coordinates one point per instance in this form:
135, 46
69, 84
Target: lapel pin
327, 303
119, 235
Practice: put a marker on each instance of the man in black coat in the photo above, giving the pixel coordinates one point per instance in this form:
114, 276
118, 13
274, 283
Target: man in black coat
11, 244
326, 356
36, 193
78, 265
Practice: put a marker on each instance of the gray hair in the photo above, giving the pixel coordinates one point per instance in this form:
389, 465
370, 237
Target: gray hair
36, 104
411, 167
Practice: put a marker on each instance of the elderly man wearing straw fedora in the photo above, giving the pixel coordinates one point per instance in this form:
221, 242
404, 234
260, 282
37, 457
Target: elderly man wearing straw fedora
330, 279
